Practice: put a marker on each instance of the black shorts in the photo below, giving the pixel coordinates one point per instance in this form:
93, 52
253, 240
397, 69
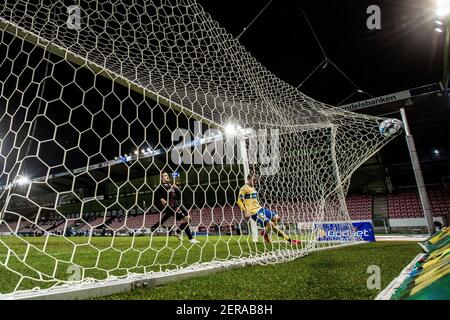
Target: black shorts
180, 212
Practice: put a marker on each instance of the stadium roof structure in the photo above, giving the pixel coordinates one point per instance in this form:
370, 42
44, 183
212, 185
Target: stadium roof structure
428, 111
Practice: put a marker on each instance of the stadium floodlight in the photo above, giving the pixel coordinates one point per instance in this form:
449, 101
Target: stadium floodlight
439, 26
443, 8
231, 130
23, 181
235, 130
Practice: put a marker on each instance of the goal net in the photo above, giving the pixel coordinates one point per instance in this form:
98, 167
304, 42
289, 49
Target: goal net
99, 98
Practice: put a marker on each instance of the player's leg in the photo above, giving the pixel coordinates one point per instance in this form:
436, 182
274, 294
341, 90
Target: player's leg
253, 228
262, 220
184, 218
184, 224
272, 224
276, 218
166, 214
178, 231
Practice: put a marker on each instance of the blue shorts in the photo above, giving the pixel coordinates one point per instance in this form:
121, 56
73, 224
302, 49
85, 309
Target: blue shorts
263, 216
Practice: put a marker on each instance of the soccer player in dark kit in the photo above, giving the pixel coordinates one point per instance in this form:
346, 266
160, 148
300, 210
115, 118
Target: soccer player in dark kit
168, 201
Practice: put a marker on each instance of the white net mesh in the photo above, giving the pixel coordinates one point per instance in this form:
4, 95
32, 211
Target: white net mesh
92, 111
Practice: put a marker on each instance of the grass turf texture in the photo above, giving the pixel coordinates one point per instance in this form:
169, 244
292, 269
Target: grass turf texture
41, 259
331, 274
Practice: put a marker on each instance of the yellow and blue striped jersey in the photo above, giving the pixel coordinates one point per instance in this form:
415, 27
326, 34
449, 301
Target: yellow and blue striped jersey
248, 200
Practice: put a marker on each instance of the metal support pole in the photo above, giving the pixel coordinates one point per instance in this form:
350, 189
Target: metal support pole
418, 173
446, 48
252, 226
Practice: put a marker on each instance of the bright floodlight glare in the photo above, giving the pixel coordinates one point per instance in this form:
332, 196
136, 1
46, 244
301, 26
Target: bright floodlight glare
230, 129
442, 12
439, 22
443, 7
22, 181
438, 30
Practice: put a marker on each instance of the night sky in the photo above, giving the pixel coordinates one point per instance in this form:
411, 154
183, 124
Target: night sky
405, 53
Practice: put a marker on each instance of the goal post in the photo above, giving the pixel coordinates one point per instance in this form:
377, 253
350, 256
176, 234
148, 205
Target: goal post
94, 110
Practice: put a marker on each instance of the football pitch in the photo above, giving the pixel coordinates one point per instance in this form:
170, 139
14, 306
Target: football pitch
113, 256
332, 274
338, 274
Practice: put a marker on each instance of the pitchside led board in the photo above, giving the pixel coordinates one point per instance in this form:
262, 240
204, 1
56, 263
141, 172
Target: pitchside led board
355, 231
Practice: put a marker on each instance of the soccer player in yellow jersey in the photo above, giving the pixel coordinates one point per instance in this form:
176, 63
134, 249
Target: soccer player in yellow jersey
249, 204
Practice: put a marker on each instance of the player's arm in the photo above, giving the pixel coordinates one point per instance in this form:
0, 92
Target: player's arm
160, 196
240, 201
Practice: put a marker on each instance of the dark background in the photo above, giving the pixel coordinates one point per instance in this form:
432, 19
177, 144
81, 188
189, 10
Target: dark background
405, 53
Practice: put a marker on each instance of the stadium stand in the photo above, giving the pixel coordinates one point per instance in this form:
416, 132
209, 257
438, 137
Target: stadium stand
407, 204
7, 227
95, 223
136, 221
61, 226
360, 207
403, 205
440, 201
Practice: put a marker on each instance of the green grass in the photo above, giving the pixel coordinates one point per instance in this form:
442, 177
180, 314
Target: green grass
331, 274
42, 260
